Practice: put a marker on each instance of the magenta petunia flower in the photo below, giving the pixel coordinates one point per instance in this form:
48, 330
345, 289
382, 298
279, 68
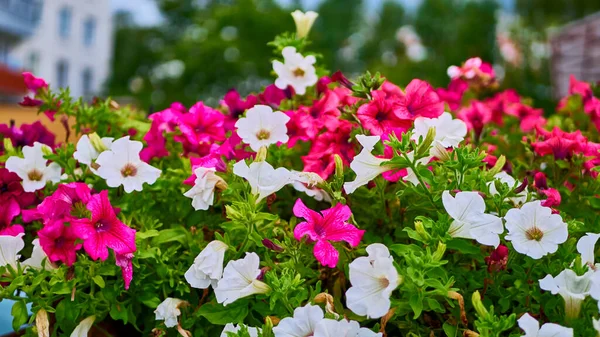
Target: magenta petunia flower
67, 202
420, 100
200, 127
320, 158
530, 117
104, 230
454, 93
380, 115
300, 127
124, 261
236, 105
560, 144
325, 226
59, 242
272, 96
27, 134
476, 116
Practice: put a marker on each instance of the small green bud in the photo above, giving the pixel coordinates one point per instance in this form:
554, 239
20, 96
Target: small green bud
339, 166
46, 150
439, 252
97, 142
478, 305
421, 230
8, 147
498, 166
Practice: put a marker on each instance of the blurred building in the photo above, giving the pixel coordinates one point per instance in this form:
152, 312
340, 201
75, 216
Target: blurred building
576, 51
71, 46
18, 21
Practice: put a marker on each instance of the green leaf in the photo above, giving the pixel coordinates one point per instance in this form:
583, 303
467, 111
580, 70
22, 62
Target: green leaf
450, 330
416, 303
19, 313
99, 281
170, 235
118, 311
66, 311
219, 314
147, 234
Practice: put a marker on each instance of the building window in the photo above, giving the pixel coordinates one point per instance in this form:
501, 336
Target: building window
89, 31
87, 78
33, 62
64, 22
62, 74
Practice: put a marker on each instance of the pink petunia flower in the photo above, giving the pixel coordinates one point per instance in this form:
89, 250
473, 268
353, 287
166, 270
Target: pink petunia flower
236, 106
560, 144
380, 115
272, 96
59, 242
104, 230
553, 197
67, 202
324, 111
200, 127
476, 116
124, 262
13, 230
12, 197
320, 158
27, 134
420, 100
34, 85
300, 127
325, 226
454, 94
530, 117
500, 103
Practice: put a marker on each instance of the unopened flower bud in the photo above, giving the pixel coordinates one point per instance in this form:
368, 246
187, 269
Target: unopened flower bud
272, 245
439, 252
342, 80
8, 146
221, 185
339, 166
328, 300
271, 321
523, 186
539, 181
41, 323
261, 155
421, 230
311, 179
97, 142
500, 162
46, 150
478, 305
497, 259
304, 22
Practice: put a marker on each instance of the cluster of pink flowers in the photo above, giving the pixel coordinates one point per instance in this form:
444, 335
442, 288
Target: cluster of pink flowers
13, 200
26, 135
35, 85
73, 214
591, 103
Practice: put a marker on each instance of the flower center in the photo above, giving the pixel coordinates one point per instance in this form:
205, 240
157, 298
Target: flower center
3, 188
59, 242
35, 175
384, 282
298, 72
101, 226
534, 234
263, 134
129, 170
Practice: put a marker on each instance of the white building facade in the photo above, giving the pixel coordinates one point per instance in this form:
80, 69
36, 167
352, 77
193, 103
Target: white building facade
71, 46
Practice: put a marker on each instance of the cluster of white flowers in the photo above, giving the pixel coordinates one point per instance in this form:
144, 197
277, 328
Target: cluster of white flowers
118, 162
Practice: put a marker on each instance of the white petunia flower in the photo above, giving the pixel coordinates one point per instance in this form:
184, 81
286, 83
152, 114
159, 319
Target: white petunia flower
470, 220
262, 177
534, 230
506, 179
296, 70
203, 192
83, 328
10, 246
304, 22
366, 166
302, 324
373, 279
262, 127
586, 247
411, 176
37, 257
121, 165
229, 327
207, 269
343, 328
168, 311
448, 132
572, 288
32, 168
86, 152
532, 328
307, 182
239, 280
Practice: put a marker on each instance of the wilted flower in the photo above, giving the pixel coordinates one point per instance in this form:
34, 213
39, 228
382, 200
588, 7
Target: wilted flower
296, 71
303, 323
121, 165
207, 269
304, 22
373, 279
366, 166
168, 311
497, 259
203, 192
532, 328
239, 280
534, 230
124, 261
262, 177
262, 127
33, 169
470, 220
327, 225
